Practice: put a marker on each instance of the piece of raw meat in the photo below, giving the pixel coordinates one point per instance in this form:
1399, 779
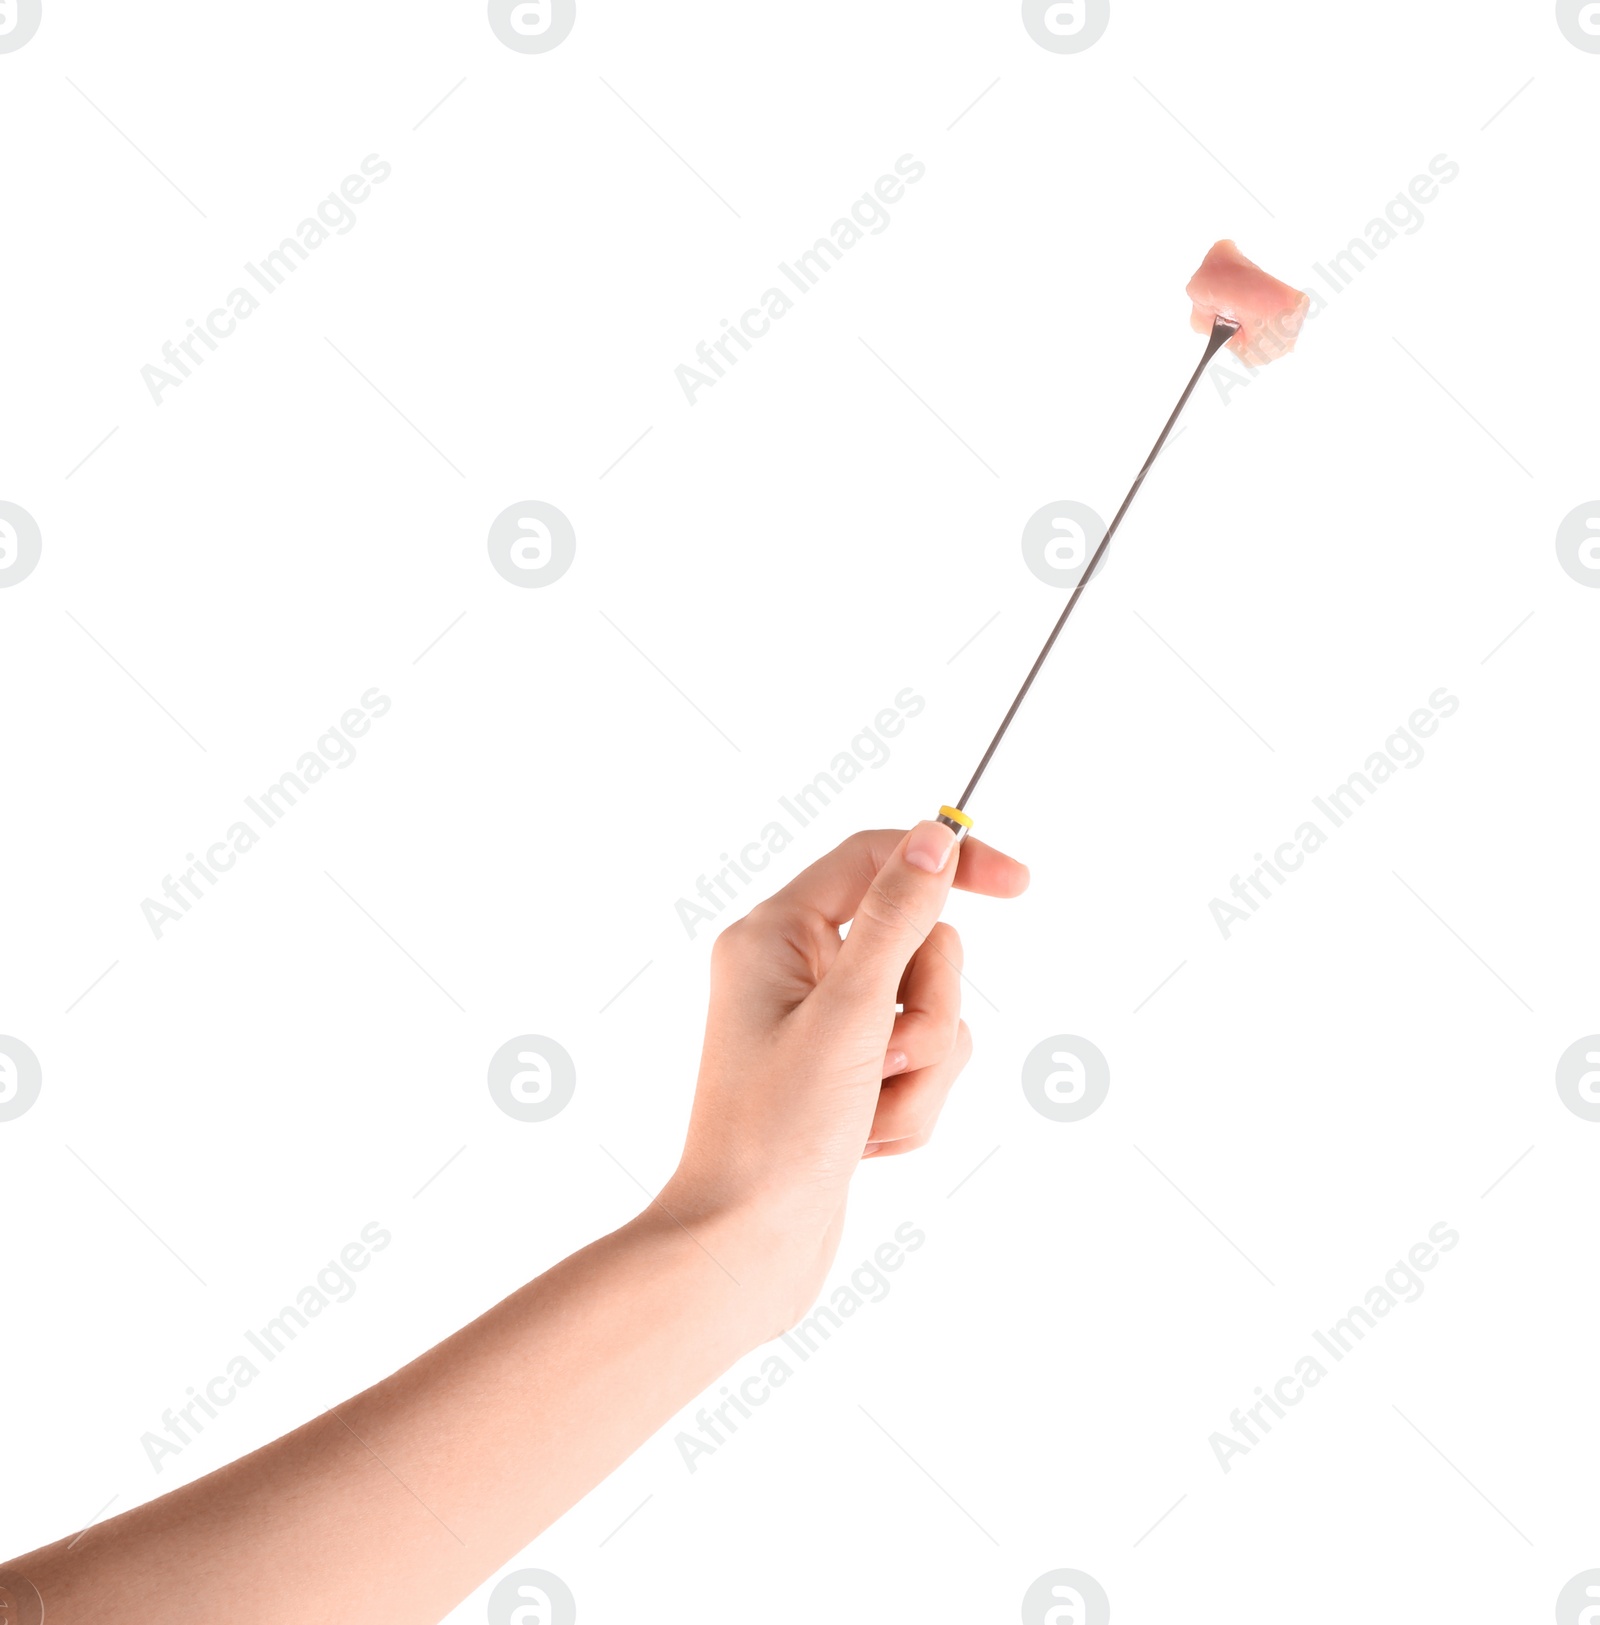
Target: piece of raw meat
1270, 313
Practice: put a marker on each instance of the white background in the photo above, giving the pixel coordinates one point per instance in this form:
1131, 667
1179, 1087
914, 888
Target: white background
1351, 531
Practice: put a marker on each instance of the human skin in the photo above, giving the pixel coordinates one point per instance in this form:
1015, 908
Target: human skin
392, 1507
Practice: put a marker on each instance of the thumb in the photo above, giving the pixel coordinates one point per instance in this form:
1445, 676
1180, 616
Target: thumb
895, 915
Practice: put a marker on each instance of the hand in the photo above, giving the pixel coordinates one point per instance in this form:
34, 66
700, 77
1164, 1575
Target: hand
390, 1507
807, 1067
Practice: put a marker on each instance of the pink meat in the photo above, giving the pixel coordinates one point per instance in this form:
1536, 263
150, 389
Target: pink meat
1270, 312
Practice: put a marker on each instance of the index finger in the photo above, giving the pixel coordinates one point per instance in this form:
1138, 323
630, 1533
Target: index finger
832, 888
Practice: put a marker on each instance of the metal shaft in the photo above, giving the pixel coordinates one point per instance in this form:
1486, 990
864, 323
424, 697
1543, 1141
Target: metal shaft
1221, 332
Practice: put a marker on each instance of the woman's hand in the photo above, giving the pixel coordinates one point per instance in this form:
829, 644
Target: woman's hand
808, 1066
390, 1507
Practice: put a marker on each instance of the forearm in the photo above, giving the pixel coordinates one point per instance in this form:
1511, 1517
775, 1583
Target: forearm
394, 1505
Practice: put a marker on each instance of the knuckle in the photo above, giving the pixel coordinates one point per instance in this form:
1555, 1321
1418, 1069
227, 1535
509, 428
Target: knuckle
947, 1033
880, 913
869, 843
732, 942
963, 1045
945, 1024
761, 919
945, 940
921, 1123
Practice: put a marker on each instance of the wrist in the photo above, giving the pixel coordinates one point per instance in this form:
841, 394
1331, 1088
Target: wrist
765, 1255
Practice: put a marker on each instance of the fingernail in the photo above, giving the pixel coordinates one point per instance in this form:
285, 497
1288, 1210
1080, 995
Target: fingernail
895, 1062
871, 1150
930, 847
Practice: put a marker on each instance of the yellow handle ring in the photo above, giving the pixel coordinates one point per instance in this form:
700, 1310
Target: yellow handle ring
954, 818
